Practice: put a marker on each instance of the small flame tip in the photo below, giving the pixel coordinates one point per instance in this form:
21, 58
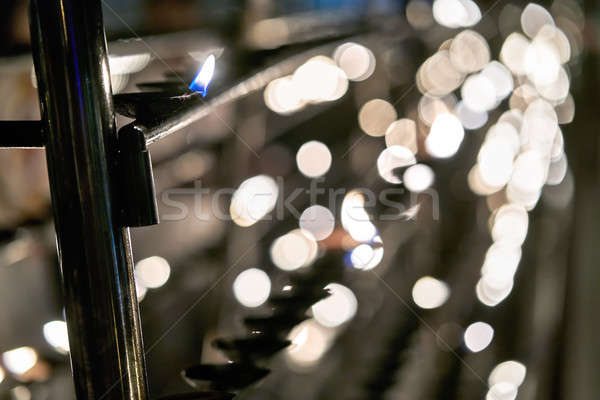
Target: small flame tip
204, 76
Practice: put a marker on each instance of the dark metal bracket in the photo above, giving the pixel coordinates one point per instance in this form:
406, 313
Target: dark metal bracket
22, 134
138, 196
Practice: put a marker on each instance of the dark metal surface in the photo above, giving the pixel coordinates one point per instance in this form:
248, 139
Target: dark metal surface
21, 134
152, 107
246, 354
137, 182
71, 64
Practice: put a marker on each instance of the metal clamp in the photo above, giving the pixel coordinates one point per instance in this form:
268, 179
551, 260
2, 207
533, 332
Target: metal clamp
138, 196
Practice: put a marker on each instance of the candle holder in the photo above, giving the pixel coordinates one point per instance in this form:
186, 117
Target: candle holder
170, 100
154, 106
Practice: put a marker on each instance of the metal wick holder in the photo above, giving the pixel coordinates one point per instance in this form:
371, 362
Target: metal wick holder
154, 106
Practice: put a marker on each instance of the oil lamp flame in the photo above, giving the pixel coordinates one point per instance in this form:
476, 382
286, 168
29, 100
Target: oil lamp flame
204, 76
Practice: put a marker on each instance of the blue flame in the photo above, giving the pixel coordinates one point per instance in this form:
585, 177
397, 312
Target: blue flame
204, 76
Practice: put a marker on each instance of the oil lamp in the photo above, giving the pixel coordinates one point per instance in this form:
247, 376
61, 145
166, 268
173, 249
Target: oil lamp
169, 100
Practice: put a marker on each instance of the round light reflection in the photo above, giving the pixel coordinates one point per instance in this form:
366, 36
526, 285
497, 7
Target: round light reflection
19, 360
294, 250
152, 272
55, 333
470, 119
367, 256
392, 160
375, 116
469, 51
510, 224
430, 293
317, 220
309, 342
445, 136
509, 371
478, 336
418, 178
402, 132
357, 61
502, 391
252, 287
254, 199
533, 18
479, 93
336, 309
313, 159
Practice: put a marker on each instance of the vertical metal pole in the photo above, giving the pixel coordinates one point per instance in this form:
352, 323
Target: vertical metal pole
69, 50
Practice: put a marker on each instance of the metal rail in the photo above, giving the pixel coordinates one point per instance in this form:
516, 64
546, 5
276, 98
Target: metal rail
71, 64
